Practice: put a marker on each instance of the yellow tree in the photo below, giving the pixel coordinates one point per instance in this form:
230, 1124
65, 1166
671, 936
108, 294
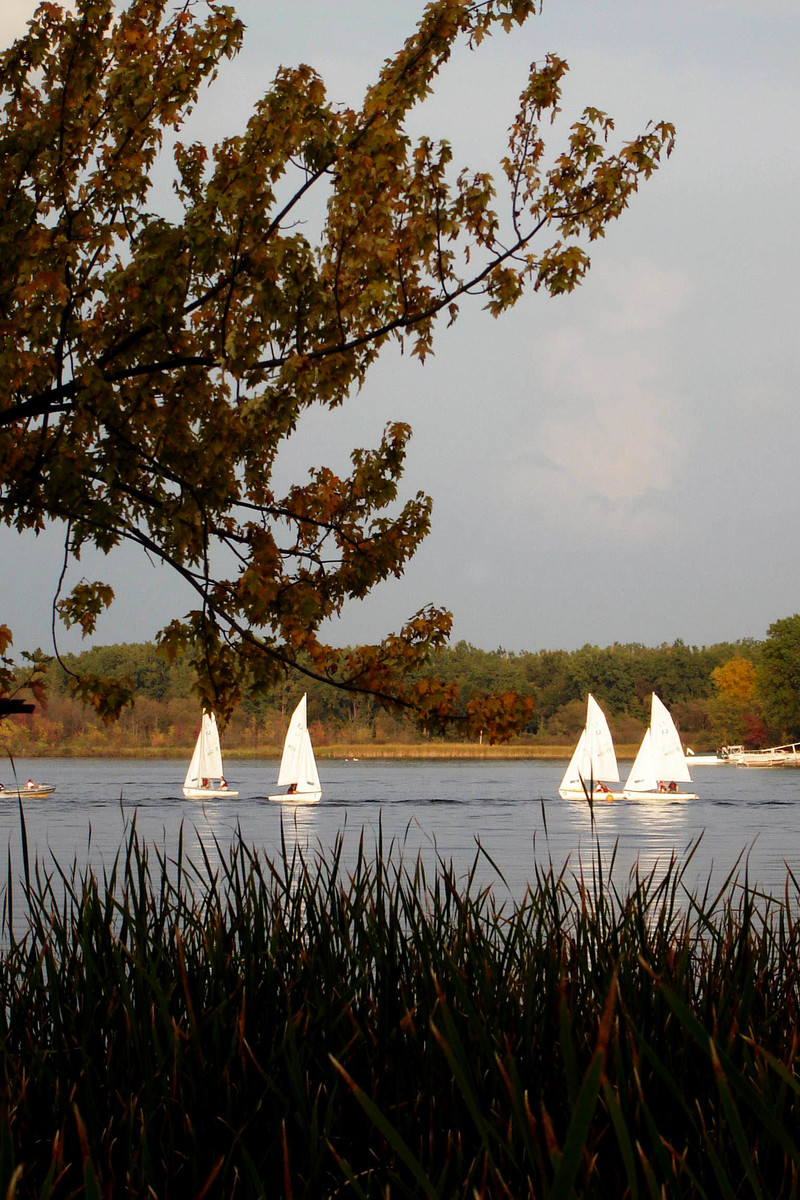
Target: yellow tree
150, 369
735, 683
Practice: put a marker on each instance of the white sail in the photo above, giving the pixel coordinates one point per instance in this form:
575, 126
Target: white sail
298, 767
206, 764
594, 759
578, 768
291, 760
661, 761
669, 760
599, 743
309, 775
643, 777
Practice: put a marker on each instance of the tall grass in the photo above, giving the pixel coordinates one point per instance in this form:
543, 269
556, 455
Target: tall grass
296, 1028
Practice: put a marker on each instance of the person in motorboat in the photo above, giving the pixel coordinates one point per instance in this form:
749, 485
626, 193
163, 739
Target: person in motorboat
30, 784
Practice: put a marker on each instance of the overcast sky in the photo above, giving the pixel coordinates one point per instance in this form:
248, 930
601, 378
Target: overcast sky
620, 464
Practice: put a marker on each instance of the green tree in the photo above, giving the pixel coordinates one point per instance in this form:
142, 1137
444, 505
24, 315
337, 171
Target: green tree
151, 369
778, 679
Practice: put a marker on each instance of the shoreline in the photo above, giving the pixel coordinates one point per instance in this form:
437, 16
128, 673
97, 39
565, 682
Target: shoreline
439, 751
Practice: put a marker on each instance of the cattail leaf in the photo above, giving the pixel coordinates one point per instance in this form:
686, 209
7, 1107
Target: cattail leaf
389, 1132
578, 1130
623, 1138
734, 1124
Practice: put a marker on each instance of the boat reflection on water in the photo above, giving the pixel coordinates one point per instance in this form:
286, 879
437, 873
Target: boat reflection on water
211, 831
659, 831
443, 809
635, 835
298, 828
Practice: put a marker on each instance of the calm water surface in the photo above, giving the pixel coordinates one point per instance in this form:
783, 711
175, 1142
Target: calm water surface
445, 809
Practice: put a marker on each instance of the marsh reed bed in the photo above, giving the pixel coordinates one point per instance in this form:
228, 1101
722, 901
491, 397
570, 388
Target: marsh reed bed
297, 1028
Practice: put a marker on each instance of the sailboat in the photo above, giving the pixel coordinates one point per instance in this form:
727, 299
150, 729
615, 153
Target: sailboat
593, 764
660, 763
206, 765
298, 767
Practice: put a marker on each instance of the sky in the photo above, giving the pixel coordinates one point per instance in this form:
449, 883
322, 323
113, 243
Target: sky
616, 465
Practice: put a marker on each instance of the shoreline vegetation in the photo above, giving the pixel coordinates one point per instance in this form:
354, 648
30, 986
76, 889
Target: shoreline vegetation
346, 751
376, 1028
717, 695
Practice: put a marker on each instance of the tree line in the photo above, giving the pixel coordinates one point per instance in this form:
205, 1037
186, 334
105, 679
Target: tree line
730, 692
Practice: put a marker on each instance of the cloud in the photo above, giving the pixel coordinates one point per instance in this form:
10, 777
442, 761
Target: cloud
744, 8
15, 14
611, 442
13, 17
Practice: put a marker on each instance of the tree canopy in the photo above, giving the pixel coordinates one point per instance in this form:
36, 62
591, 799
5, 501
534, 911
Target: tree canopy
151, 368
778, 677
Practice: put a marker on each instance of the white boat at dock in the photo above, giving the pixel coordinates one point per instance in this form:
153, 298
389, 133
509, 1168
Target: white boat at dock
775, 756
705, 758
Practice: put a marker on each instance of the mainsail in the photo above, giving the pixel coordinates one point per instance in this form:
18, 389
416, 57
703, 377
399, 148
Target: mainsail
206, 762
594, 758
661, 759
298, 765
669, 759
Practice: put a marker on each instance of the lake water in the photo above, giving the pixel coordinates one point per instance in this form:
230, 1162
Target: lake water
441, 808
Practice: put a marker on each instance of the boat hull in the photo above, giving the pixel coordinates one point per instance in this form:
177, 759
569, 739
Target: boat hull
579, 794
35, 793
661, 796
766, 758
297, 798
208, 793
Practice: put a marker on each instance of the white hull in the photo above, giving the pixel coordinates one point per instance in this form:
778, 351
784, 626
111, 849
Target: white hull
297, 797
661, 795
208, 793
575, 794
705, 760
777, 756
34, 793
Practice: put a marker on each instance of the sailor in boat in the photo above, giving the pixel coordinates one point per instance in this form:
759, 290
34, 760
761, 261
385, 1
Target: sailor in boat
223, 785
292, 788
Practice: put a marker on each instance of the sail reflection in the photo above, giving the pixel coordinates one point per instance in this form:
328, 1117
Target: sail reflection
208, 834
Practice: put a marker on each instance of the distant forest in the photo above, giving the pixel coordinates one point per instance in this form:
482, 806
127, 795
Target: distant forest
733, 692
